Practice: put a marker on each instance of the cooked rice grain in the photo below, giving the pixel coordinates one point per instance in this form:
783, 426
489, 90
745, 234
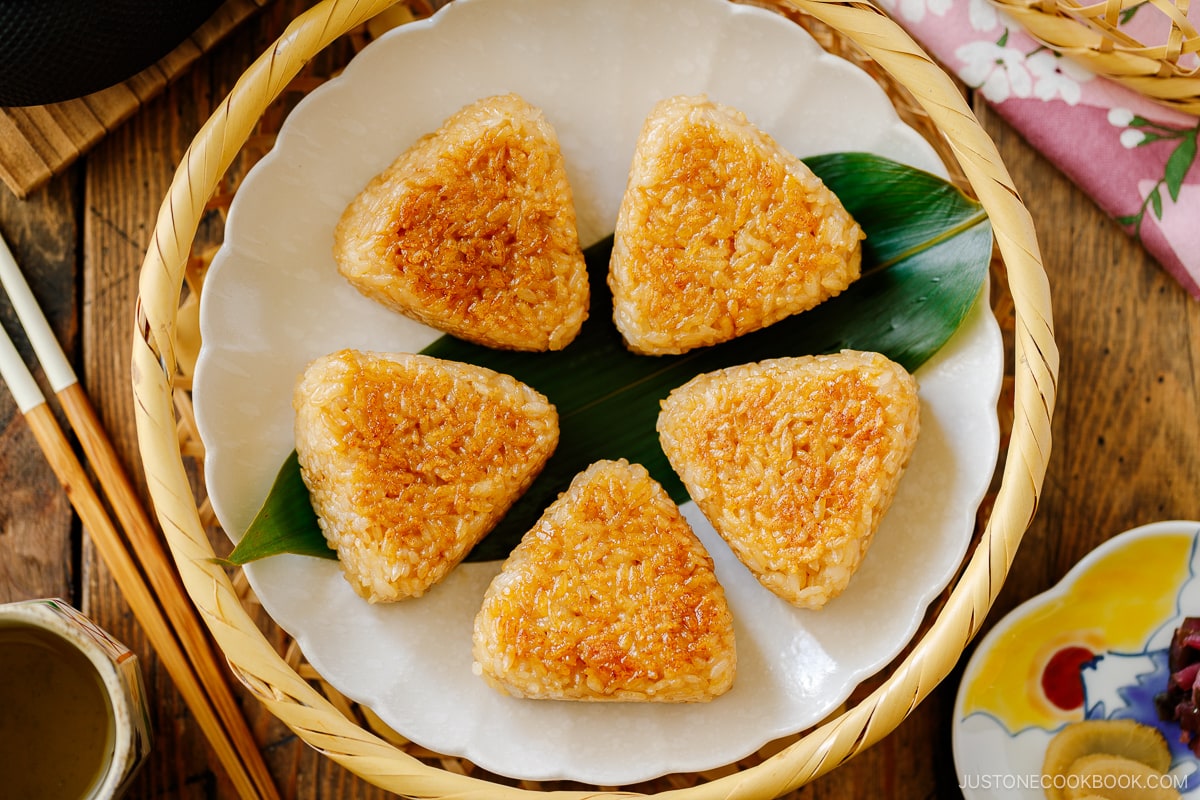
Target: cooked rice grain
610, 596
721, 232
795, 461
411, 460
472, 231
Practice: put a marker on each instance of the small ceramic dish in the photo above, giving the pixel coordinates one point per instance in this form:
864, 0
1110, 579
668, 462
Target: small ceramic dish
1092, 647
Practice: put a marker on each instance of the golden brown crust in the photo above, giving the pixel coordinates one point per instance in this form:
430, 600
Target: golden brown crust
795, 461
721, 232
609, 597
411, 460
472, 231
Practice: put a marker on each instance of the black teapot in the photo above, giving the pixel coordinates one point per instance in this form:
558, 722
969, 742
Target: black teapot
54, 50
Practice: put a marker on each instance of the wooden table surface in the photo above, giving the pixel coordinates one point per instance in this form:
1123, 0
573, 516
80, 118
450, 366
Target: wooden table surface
1126, 445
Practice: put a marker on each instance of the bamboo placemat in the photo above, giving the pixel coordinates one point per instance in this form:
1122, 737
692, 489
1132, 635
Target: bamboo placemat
39, 142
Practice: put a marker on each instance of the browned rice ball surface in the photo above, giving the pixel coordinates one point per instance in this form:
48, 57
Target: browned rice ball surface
411, 460
472, 231
721, 232
795, 461
609, 597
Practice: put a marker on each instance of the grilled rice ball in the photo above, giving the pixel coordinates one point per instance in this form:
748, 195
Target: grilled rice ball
795, 461
472, 231
610, 596
721, 232
411, 460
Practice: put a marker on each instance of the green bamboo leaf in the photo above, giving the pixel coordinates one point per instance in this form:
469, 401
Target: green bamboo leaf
285, 524
1178, 164
1156, 202
924, 262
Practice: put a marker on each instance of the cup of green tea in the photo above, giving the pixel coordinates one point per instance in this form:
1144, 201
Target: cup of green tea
73, 716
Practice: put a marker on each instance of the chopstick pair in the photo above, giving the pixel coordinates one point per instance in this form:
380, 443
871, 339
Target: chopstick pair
174, 627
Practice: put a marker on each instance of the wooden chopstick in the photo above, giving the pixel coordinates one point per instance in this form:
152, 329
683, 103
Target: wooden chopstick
178, 636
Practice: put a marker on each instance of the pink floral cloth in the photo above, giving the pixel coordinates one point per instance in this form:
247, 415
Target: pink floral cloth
1135, 158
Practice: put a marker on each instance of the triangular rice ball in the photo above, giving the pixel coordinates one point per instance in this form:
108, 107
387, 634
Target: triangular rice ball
472, 231
610, 596
795, 461
721, 232
411, 460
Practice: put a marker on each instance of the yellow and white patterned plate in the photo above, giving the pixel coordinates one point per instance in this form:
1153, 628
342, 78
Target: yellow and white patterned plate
1092, 647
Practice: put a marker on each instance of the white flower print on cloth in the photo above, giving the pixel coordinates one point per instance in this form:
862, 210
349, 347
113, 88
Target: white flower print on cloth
1138, 131
995, 69
1120, 117
982, 15
914, 10
1137, 159
1055, 76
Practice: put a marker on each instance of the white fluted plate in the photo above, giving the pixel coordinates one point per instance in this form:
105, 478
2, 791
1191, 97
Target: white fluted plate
273, 301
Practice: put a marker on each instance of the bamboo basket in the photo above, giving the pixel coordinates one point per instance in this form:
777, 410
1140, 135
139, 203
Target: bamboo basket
165, 343
1166, 70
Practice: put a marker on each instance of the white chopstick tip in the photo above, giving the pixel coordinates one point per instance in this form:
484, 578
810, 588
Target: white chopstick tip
25, 391
49, 352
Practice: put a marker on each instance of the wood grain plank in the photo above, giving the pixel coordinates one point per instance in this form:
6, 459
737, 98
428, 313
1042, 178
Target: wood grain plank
37, 555
110, 107
27, 154
74, 123
148, 83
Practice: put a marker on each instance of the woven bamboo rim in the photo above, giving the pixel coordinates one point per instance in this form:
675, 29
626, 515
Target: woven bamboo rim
1165, 71
161, 343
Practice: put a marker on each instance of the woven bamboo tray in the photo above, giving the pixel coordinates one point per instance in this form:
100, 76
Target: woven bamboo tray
1164, 69
165, 344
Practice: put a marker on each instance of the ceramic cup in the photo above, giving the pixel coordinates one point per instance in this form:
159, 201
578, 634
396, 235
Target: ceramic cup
72, 704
